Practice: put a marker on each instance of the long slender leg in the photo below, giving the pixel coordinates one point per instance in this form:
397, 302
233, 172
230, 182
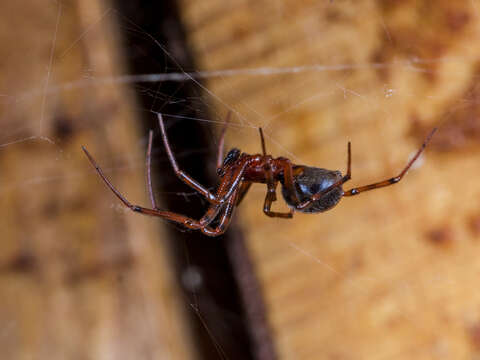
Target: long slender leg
149, 175
225, 219
225, 191
171, 216
107, 182
237, 180
349, 161
221, 141
271, 197
152, 212
181, 174
393, 180
262, 141
271, 194
288, 183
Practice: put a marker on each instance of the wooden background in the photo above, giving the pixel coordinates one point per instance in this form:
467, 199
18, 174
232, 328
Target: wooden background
80, 280
390, 274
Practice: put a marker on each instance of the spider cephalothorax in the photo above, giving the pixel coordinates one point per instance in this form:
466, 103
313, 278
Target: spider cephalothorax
305, 189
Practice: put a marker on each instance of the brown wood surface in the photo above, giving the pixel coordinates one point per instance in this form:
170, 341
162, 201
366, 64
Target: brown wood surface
391, 274
80, 278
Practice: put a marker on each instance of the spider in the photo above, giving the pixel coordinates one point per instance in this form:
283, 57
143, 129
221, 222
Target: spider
304, 188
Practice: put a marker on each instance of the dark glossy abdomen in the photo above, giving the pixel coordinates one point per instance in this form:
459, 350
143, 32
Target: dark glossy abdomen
310, 182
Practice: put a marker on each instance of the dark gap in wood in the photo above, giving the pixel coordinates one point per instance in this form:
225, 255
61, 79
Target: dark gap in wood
229, 318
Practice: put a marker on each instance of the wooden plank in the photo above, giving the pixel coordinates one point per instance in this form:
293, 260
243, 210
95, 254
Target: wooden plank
81, 277
388, 274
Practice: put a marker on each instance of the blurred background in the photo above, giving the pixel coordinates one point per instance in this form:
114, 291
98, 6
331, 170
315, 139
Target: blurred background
390, 274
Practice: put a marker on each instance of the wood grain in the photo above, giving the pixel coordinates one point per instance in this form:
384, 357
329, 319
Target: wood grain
80, 278
391, 274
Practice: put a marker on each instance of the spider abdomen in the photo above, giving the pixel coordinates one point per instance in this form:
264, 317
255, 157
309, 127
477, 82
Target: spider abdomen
313, 181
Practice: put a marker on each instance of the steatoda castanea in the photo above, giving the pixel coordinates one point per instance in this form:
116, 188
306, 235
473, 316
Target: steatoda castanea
305, 189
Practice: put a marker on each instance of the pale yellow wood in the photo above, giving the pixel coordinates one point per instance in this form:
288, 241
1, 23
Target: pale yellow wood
392, 274
80, 277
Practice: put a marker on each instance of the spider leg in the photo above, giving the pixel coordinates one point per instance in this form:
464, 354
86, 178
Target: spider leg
181, 174
262, 141
186, 221
148, 165
221, 141
228, 192
153, 212
288, 183
349, 161
237, 180
227, 188
271, 194
107, 182
393, 180
270, 197
226, 216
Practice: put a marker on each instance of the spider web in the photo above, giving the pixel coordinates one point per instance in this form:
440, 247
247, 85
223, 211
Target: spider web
408, 89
